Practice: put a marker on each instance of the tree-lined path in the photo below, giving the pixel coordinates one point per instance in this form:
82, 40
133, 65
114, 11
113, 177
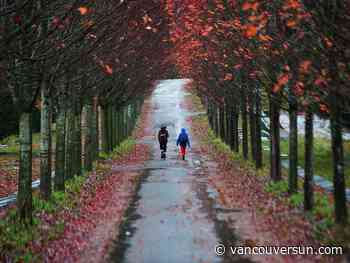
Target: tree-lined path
183, 209
172, 218
85, 86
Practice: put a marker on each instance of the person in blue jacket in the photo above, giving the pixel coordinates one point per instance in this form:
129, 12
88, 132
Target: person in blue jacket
184, 141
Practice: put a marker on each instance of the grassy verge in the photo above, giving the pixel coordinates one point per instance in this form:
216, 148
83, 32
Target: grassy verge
17, 239
125, 147
322, 217
322, 156
12, 143
322, 150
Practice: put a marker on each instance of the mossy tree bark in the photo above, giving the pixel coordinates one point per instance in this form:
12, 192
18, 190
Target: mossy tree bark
45, 144
70, 125
24, 196
59, 178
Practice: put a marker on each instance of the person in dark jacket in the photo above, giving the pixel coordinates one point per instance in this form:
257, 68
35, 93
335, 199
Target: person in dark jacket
163, 136
184, 141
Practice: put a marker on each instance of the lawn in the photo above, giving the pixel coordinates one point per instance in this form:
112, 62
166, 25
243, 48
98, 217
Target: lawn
12, 143
322, 156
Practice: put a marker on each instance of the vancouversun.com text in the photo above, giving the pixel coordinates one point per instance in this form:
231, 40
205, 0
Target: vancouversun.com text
221, 250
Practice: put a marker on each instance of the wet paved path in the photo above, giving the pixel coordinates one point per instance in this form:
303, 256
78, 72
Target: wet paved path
173, 218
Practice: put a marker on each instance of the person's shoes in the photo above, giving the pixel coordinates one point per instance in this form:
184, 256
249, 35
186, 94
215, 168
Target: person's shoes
183, 157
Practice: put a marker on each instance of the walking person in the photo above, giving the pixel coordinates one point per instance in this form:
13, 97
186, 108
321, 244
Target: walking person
163, 136
184, 141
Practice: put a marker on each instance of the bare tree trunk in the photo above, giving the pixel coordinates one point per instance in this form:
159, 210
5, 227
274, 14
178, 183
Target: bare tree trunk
77, 142
308, 182
222, 122
45, 145
258, 158
70, 125
24, 196
293, 147
114, 127
244, 126
210, 114
216, 122
236, 128
94, 133
341, 213
87, 130
59, 178
229, 117
252, 128
275, 140
104, 129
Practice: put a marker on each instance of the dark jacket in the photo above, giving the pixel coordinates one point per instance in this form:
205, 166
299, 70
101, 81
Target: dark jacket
163, 136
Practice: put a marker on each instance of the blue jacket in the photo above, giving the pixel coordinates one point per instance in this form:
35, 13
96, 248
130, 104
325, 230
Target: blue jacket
183, 138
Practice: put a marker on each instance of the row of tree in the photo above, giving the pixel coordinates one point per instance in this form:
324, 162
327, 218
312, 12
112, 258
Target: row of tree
247, 57
86, 65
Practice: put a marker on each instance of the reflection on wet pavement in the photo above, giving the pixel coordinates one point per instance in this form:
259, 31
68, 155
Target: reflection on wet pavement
173, 217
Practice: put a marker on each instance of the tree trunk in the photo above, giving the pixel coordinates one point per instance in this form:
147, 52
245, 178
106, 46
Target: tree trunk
341, 213
125, 125
216, 122
119, 124
60, 149
104, 129
87, 130
210, 114
244, 126
258, 158
236, 129
114, 127
77, 143
94, 133
24, 196
70, 125
111, 121
229, 120
222, 122
293, 147
45, 145
308, 180
275, 140
252, 129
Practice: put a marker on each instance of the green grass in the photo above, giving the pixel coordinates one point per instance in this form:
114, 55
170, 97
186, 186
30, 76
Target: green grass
13, 144
322, 156
322, 216
15, 238
125, 147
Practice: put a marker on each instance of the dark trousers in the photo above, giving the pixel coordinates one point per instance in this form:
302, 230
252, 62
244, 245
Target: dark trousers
163, 146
